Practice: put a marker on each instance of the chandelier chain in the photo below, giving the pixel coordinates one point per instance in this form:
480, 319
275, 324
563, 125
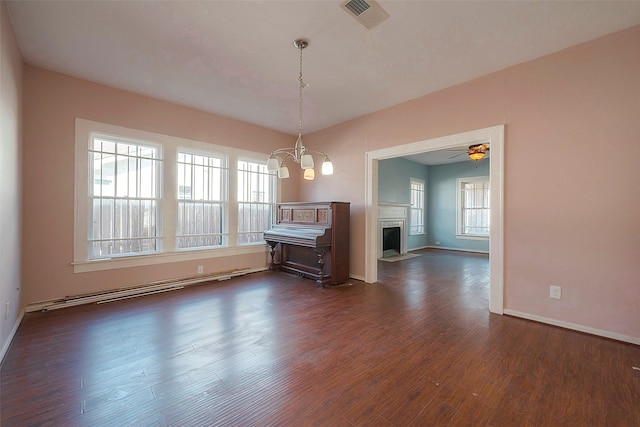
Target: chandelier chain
301, 84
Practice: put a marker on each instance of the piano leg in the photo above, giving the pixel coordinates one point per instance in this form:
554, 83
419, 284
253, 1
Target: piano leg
321, 266
272, 252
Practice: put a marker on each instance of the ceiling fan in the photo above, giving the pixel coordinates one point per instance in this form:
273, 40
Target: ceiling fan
475, 152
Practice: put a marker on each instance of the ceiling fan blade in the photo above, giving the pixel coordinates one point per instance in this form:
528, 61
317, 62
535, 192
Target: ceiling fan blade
457, 155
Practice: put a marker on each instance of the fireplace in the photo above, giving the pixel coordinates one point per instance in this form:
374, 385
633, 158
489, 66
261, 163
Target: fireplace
391, 241
392, 236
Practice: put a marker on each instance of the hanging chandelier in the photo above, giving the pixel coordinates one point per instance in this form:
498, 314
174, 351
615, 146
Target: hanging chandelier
299, 153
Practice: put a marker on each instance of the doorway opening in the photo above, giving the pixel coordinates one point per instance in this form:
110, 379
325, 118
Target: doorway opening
492, 135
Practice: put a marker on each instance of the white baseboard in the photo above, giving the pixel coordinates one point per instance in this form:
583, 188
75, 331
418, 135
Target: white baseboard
7, 343
418, 248
356, 277
457, 249
573, 326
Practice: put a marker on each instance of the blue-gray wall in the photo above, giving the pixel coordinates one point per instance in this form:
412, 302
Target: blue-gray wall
393, 187
440, 198
441, 206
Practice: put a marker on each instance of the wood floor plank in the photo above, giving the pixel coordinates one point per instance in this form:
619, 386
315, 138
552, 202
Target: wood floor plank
418, 348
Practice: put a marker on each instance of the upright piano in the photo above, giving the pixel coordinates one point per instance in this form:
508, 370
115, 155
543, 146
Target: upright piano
311, 240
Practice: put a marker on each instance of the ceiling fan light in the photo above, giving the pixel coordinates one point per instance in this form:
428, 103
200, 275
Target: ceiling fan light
309, 174
476, 156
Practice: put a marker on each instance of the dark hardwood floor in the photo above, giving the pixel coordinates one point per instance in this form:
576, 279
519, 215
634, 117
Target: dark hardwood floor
418, 348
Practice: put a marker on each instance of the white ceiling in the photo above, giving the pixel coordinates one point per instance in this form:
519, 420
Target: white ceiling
236, 58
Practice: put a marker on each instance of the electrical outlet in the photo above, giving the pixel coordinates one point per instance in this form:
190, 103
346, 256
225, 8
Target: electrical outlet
200, 269
555, 292
437, 242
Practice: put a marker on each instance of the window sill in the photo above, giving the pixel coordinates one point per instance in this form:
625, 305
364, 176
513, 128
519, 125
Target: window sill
161, 258
471, 237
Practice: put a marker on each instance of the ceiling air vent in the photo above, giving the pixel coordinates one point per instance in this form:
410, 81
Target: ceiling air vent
368, 13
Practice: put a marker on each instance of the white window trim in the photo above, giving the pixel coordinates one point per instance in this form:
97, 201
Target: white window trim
274, 189
170, 145
459, 234
423, 209
225, 193
158, 190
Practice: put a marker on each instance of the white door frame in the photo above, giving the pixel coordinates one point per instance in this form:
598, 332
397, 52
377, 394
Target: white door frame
493, 135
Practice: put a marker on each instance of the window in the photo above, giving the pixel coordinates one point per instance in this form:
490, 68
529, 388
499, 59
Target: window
416, 225
201, 201
144, 199
473, 207
256, 186
123, 197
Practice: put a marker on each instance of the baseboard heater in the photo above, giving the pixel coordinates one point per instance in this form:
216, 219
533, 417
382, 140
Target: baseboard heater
135, 291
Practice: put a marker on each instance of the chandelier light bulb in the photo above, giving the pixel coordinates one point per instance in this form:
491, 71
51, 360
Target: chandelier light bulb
283, 172
327, 167
306, 161
272, 164
309, 174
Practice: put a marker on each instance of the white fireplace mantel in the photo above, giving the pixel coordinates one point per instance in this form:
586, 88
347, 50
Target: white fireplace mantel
393, 215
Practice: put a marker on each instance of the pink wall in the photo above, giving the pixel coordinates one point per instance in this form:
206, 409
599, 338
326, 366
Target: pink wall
52, 102
572, 129
10, 182
570, 186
